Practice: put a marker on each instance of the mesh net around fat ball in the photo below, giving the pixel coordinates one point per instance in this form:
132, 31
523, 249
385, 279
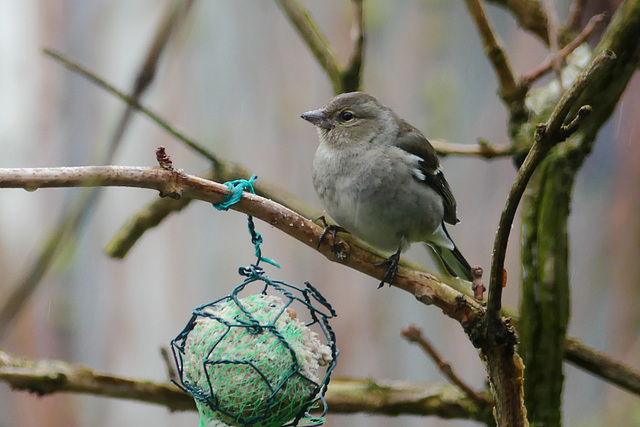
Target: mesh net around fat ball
255, 360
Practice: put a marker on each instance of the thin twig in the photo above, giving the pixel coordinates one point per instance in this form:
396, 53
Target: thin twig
351, 76
529, 14
75, 213
414, 334
222, 171
602, 366
93, 77
509, 89
593, 25
174, 15
315, 40
552, 18
145, 219
547, 136
575, 13
167, 358
20, 293
481, 149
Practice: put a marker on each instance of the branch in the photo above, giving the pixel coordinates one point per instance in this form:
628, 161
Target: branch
44, 377
593, 25
315, 40
175, 184
509, 90
423, 286
497, 339
530, 16
94, 78
413, 334
602, 366
575, 13
153, 214
348, 396
344, 395
144, 220
547, 136
352, 73
553, 28
481, 149
76, 213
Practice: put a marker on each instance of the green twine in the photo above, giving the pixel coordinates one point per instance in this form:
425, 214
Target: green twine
256, 239
236, 188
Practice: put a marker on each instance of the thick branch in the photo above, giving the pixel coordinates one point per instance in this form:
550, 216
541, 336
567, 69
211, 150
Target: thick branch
346, 396
173, 184
545, 301
426, 288
602, 366
44, 377
498, 341
154, 213
548, 135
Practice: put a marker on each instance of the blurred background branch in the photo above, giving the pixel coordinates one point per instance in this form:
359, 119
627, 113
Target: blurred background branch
346, 396
71, 220
546, 205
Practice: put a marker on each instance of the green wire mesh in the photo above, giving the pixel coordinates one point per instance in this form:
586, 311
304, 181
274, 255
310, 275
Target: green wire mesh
255, 360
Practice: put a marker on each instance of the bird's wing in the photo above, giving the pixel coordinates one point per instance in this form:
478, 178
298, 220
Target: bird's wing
412, 141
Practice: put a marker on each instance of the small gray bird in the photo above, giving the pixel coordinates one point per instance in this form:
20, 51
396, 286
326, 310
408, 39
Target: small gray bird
380, 179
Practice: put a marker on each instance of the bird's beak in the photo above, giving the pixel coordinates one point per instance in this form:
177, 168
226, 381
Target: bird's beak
318, 118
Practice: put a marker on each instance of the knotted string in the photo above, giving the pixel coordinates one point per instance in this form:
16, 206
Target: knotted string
236, 188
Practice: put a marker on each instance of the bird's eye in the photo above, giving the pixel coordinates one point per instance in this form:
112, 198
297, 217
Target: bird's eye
346, 116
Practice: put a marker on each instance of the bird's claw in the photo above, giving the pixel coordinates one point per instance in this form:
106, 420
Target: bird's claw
392, 269
332, 230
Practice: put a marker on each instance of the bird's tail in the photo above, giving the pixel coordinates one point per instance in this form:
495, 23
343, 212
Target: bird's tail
453, 260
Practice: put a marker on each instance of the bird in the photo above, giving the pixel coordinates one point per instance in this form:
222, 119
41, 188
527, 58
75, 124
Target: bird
380, 179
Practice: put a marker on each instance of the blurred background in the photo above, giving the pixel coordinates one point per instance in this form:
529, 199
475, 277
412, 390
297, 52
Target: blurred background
236, 78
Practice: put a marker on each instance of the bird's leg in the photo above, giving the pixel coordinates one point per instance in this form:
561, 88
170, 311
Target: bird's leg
331, 229
392, 268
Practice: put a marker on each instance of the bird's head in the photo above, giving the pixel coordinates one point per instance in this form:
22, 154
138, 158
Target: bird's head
353, 119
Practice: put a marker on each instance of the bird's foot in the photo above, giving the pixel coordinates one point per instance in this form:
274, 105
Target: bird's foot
332, 230
392, 268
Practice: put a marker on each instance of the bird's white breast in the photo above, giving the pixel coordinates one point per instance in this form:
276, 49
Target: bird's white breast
376, 194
